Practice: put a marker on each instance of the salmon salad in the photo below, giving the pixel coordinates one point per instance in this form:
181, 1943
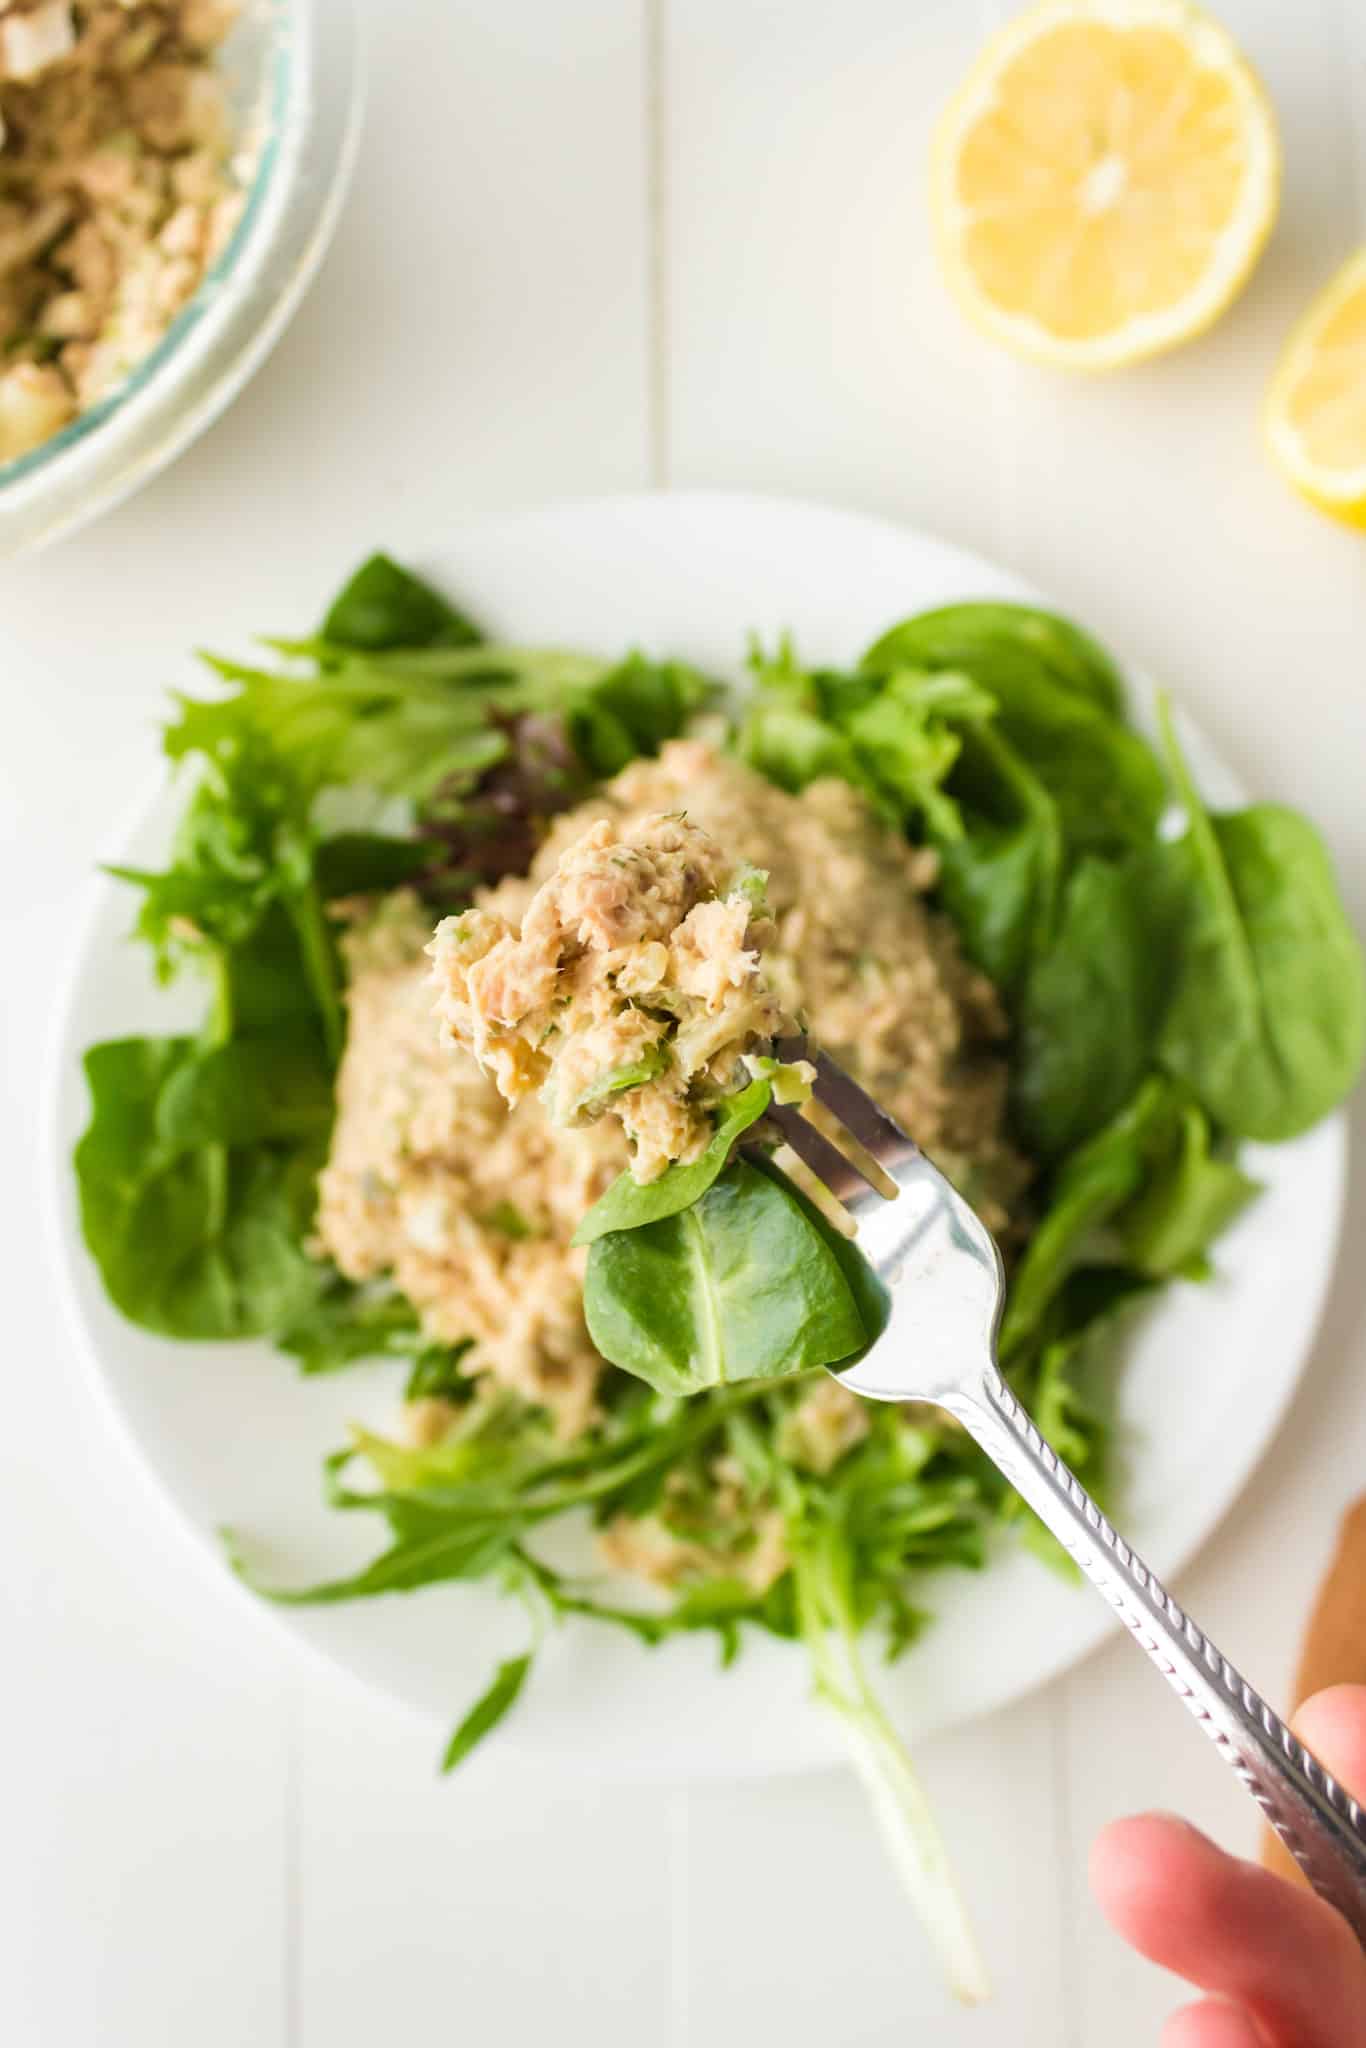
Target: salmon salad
512, 957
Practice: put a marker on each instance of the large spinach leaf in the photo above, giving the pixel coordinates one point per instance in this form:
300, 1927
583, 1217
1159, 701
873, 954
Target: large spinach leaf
195, 1240
739, 1286
1088, 1009
1266, 1020
1002, 645
251, 1091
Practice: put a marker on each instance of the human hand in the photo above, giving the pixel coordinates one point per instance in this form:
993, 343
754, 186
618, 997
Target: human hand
1283, 1970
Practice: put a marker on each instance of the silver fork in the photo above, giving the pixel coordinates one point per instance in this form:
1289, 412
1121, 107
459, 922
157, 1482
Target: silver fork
946, 1283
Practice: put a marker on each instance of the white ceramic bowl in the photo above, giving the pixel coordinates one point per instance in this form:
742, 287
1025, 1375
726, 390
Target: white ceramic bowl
293, 74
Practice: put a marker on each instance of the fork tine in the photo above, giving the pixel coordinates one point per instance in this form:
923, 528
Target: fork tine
856, 1110
829, 1165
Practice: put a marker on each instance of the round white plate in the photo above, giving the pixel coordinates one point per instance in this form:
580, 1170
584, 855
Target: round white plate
232, 1436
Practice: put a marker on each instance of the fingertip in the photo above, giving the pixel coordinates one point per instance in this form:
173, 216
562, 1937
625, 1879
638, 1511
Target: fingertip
1134, 1866
1211, 2023
1234, 1931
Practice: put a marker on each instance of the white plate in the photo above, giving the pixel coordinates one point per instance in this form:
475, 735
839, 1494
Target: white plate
232, 1436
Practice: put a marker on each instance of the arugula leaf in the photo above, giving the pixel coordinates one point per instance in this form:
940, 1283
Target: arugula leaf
431, 1546
1089, 1009
792, 746
1267, 1016
626, 1205
1057, 697
196, 1170
367, 723
240, 893
738, 1286
825, 1573
906, 742
488, 1710
895, 736
346, 1323
383, 606
238, 846
436, 1373
193, 1241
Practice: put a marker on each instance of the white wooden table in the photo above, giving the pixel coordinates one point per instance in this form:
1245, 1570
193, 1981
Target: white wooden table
599, 244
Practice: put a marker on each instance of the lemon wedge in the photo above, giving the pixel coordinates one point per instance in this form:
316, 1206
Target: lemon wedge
1316, 406
1104, 180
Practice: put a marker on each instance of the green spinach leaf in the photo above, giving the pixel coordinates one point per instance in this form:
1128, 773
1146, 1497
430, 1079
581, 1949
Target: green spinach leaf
1002, 645
739, 1286
1000, 877
1267, 1017
383, 606
193, 1241
871, 1298
1190, 1198
251, 1091
631, 710
627, 1205
1089, 1188
1088, 1010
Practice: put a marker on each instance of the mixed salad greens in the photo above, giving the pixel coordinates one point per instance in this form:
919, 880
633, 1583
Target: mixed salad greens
1176, 981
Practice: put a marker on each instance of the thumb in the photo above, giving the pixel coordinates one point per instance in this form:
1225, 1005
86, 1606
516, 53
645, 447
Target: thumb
1333, 1724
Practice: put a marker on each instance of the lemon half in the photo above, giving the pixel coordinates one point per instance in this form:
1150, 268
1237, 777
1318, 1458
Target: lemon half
1104, 180
1316, 406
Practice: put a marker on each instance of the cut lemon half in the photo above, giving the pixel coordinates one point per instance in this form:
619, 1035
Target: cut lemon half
1104, 180
1316, 406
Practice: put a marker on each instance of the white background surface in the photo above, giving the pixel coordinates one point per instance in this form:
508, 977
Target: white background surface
595, 245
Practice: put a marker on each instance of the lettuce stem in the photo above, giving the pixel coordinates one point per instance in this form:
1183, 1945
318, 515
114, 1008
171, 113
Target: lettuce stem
829, 1627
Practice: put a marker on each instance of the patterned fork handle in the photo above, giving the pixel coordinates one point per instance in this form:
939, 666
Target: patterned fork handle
1322, 1826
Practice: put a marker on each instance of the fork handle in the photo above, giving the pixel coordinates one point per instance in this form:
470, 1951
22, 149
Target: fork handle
1320, 1823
